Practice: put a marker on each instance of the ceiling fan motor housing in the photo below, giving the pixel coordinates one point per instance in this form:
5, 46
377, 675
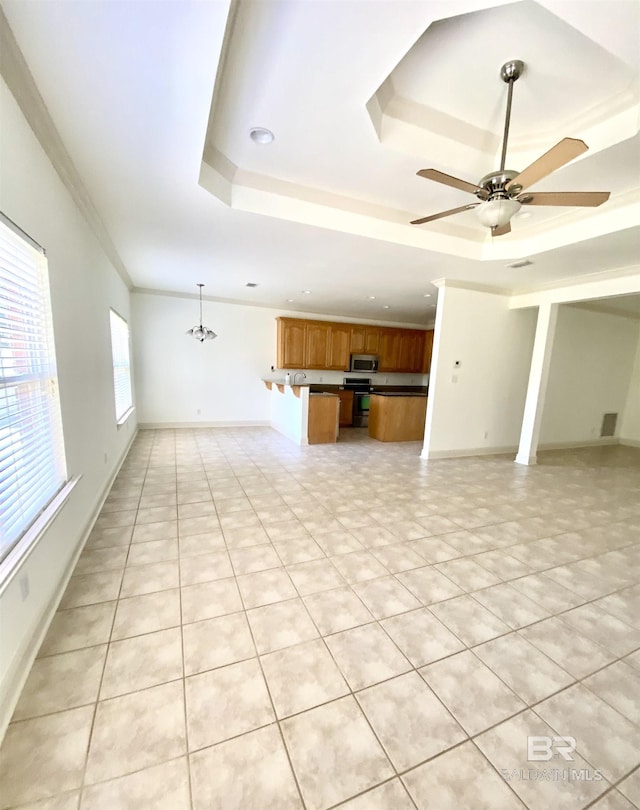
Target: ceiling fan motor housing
492, 185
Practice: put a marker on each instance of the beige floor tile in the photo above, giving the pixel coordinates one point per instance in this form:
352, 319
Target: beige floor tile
266, 587
94, 561
63, 801
336, 610
434, 549
255, 558
216, 642
53, 747
543, 590
409, 720
366, 655
467, 574
151, 532
111, 520
141, 579
461, 778
163, 787
200, 525
505, 746
619, 686
205, 567
398, 557
246, 536
359, 566
475, 696
147, 613
210, 599
567, 647
429, 585
471, 622
153, 551
119, 504
60, 682
338, 542
421, 637
243, 773
78, 627
108, 538
297, 550
162, 499
511, 605
531, 674
630, 788
334, 753
374, 536
604, 737
122, 723
501, 564
623, 605
302, 677
315, 576
608, 631
91, 589
155, 514
140, 662
226, 702
281, 625
203, 508
390, 796
196, 544
613, 801
386, 597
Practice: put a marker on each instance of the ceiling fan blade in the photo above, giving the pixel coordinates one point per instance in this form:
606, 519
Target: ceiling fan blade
443, 214
441, 177
501, 230
581, 198
557, 156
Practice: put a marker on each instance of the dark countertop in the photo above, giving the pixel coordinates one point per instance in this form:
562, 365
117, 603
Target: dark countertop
398, 394
418, 390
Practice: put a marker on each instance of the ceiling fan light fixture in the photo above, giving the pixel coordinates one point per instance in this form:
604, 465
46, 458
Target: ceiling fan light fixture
201, 332
498, 212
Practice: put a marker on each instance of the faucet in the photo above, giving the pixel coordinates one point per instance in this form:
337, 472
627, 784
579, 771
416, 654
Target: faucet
304, 376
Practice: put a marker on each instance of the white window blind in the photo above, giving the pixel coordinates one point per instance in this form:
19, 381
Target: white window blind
121, 365
32, 460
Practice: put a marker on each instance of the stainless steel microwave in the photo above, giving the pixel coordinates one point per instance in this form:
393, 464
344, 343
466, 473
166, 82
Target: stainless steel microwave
363, 362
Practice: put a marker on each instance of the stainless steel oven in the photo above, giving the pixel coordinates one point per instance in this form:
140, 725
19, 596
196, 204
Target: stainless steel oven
361, 387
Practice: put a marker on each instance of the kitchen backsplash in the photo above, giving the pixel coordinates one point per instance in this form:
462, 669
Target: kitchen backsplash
337, 377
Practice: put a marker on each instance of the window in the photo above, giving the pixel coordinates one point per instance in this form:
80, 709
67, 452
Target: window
121, 365
32, 461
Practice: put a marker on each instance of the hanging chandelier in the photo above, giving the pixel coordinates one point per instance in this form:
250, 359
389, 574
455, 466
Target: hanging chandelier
201, 332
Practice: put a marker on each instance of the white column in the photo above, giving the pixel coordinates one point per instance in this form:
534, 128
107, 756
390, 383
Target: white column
537, 388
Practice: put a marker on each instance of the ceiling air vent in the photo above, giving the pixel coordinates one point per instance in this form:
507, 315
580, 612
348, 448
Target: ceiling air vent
251, 284
518, 265
609, 424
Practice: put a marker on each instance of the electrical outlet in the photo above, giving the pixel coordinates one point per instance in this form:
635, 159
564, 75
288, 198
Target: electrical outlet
486, 434
198, 412
320, 379
454, 378
24, 586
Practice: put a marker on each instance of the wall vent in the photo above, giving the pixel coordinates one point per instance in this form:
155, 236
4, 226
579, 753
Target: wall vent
609, 424
518, 265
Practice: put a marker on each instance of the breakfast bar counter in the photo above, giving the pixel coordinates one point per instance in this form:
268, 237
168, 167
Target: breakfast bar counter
397, 417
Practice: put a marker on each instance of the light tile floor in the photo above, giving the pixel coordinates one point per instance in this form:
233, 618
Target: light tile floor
257, 626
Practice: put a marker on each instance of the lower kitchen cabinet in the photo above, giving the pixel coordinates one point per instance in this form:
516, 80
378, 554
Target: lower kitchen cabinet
323, 418
346, 408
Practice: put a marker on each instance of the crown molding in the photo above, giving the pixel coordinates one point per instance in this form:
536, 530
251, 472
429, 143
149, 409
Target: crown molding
16, 73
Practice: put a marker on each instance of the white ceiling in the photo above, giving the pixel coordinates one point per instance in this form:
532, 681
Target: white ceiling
325, 207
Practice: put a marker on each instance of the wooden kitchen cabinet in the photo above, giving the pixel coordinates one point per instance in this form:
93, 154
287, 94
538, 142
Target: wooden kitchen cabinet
364, 339
339, 347
428, 349
292, 337
388, 348
346, 408
318, 343
323, 419
410, 351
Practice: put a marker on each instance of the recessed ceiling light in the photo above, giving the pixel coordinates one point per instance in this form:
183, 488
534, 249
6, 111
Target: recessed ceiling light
261, 135
251, 284
371, 297
385, 306
427, 295
306, 292
289, 300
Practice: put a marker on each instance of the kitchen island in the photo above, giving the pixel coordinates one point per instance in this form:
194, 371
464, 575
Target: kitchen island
396, 416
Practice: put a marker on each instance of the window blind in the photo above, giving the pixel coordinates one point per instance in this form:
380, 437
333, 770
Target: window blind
121, 364
32, 459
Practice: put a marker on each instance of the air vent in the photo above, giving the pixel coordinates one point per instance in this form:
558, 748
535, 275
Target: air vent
518, 265
609, 424
251, 284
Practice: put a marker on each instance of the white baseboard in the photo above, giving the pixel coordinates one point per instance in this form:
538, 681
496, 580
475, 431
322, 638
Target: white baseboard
197, 425
600, 442
468, 451
20, 667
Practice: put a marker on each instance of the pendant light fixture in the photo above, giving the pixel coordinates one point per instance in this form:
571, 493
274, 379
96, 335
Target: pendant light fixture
201, 332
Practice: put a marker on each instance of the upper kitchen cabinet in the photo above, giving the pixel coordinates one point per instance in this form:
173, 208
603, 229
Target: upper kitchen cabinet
292, 338
388, 349
410, 351
428, 348
318, 344
339, 347
365, 339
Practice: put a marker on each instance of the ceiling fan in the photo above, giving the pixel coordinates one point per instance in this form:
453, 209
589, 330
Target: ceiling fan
500, 193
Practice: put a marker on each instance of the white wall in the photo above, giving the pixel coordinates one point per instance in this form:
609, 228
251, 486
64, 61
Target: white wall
630, 428
493, 345
83, 287
591, 365
181, 382
290, 413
